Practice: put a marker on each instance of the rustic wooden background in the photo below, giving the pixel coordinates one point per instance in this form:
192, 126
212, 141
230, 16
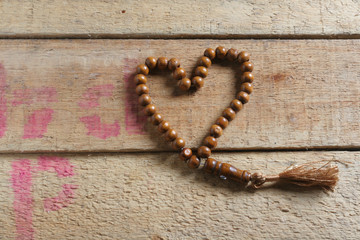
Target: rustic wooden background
79, 161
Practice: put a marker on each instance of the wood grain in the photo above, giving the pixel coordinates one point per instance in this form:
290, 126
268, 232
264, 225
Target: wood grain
77, 95
154, 196
160, 18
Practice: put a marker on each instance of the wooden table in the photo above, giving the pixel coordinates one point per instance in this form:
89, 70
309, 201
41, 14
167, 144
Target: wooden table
79, 161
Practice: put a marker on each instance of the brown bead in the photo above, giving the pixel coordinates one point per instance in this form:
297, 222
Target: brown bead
210, 53
150, 109
193, 162
184, 84
179, 73
170, 135
232, 54
247, 77
198, 82
243, 57
162, 63
173, 64
222, 122
204, 61
243, 97
246, 67
210, 142
226, 171
141, 89
246, 87
201, 71
140, 79
164, 126
216, 131
156, 119
204, 152
142, 69
185, 154
229, 114
144, 100
220, 52
151, 62
236, 105
178, 143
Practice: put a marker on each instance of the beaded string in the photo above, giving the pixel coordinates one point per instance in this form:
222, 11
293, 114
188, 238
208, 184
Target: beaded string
304, 175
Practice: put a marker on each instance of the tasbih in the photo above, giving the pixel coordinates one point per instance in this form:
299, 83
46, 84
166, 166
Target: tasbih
325, 176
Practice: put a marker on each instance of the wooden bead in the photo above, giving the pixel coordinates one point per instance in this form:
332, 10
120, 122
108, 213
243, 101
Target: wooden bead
144, 100
150, 109
226, 171
201, 71
140, 79
246, 67
232, 54
243, 97
151, 62
222, 122
229, 114
179, 73
198, 82
170, 135
210, 165
173, 64
162, 63
210, 142
156, 119
246, 87
178, 143
141, 89
142, 69
243, 57
247, 77
193, 162
185, 154
184, 84
204, 61
216, 131
210, 53
164, 126
236, 105
204, 152
220, 52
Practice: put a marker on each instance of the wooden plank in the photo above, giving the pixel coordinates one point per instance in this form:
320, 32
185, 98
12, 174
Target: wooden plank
154, 196
160, 18
78, 95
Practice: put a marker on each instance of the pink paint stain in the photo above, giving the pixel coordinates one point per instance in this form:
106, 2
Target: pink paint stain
3, 107
30, 95
63, 168
21, 180
134, 121
23, 203
98, 129
64, 198
92, 95
37, 123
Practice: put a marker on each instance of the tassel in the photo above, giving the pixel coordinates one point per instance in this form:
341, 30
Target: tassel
306, 175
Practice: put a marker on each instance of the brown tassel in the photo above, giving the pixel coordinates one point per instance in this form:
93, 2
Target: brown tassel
306, 175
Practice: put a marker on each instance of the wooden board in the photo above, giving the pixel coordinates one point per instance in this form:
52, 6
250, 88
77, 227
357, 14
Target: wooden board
160, 18
78, 95
154, 196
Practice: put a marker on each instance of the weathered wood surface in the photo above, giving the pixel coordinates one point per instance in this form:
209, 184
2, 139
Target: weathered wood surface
154, 196
77, 95
160, 18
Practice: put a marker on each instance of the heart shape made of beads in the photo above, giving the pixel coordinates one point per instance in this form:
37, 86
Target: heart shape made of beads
223, 170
